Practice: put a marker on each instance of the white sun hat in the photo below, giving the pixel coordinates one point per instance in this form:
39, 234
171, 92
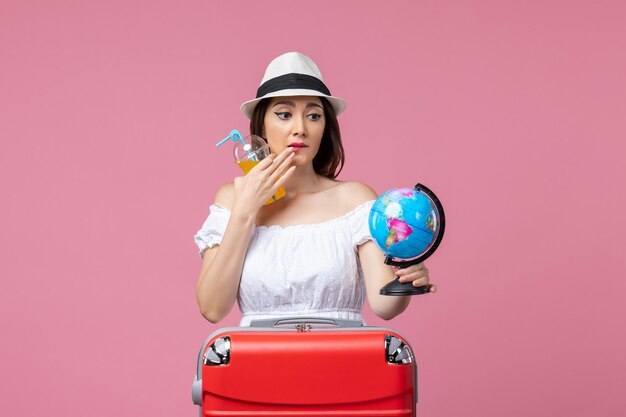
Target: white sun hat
292, 74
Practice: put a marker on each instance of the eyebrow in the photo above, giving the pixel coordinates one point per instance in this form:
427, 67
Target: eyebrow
292, 104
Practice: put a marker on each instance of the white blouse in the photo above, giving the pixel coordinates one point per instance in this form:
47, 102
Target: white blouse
308, 270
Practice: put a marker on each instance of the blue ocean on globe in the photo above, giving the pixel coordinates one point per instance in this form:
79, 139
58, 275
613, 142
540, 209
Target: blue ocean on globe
403, 223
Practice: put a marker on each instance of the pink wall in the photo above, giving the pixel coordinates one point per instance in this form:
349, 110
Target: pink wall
513, 112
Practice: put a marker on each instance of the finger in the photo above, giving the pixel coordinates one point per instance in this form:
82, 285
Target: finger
420, 282
409, 275
280, 158
284, 178
420, 267
412, 269
433, 288
413, 277
282, 168
265, 162
276, 161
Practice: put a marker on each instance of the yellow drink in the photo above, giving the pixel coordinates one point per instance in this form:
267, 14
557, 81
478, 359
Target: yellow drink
246, 166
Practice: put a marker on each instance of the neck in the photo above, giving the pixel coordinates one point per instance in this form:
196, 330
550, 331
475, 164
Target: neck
303, 180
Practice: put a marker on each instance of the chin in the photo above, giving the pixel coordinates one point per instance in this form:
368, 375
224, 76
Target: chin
298, 160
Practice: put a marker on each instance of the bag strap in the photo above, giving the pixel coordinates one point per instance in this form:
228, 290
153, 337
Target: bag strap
314, 322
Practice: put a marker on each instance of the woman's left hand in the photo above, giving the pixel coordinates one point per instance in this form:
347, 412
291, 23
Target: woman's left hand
416, 274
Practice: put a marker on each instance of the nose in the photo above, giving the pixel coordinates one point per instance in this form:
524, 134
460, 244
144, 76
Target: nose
299, 127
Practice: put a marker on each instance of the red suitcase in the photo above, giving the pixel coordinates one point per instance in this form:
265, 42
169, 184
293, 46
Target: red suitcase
306, 367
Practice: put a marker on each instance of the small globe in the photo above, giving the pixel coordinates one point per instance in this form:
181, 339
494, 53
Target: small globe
404, 223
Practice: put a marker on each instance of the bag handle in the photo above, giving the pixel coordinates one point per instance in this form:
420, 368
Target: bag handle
311, 321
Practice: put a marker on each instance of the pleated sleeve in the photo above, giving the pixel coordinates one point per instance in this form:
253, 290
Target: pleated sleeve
359, 220
212, 229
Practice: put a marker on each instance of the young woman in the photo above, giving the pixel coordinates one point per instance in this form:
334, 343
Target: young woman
310, 252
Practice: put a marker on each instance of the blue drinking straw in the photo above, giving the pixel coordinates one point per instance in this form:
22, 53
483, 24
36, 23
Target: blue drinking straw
235, 136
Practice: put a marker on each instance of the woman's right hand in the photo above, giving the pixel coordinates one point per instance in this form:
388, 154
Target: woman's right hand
261, 182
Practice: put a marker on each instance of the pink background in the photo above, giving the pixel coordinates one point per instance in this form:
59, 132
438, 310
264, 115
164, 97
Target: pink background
512, 111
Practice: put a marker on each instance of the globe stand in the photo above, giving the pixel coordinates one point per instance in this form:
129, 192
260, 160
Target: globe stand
397, 288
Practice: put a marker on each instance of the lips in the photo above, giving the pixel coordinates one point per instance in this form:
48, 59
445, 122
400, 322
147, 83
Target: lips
297, 145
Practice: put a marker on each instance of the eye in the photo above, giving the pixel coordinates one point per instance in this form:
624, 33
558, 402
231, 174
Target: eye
314, 116
283, 115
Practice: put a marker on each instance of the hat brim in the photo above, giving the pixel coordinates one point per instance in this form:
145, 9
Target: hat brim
339, 105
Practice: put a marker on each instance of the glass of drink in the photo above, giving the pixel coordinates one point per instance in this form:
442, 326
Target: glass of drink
251, 151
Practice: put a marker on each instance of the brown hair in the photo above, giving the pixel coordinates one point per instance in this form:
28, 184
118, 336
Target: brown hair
330, 156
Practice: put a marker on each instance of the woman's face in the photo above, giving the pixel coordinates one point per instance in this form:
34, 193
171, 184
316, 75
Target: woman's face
296, 122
